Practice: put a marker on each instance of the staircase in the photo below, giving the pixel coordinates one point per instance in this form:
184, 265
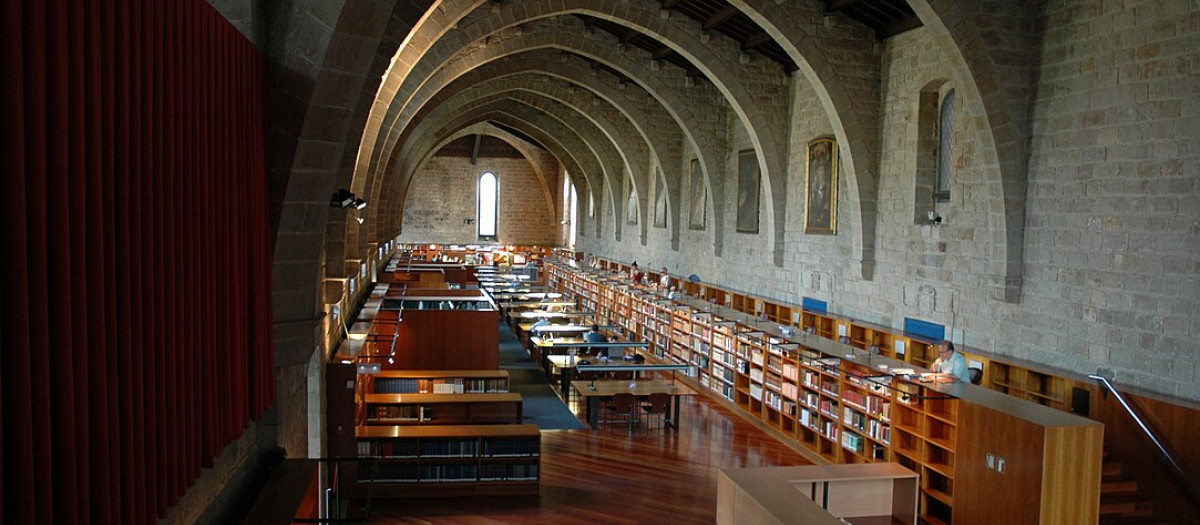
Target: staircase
1120, 502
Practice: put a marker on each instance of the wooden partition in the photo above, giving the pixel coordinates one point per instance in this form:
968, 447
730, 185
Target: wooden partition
1046, 460
448, 340
817, 495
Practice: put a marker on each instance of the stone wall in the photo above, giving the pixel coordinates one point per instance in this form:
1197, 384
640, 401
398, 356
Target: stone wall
442, 199
1112, 238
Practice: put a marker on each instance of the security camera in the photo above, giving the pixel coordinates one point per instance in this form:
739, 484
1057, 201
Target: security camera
934, 217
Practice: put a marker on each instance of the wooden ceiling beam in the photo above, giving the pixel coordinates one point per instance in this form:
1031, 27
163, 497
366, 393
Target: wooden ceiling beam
756, 40
720, 17
840, 5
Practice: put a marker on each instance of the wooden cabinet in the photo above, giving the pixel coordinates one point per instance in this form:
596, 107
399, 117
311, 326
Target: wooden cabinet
1045, 463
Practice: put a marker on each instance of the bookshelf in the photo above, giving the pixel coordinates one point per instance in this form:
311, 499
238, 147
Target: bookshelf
441, 409
825, 381
450, 461
436, 382
1038, 387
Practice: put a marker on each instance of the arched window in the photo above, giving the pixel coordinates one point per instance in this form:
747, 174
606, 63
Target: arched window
488, 205
945, 165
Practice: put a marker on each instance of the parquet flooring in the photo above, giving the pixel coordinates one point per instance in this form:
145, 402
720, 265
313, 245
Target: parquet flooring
617, 476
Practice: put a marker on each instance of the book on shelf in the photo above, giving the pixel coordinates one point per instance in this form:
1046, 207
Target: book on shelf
756, 391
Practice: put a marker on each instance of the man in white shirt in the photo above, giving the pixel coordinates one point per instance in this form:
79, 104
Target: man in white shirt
950, 364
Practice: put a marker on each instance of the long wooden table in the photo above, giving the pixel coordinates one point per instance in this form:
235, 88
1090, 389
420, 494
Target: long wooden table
565, 365
596, 391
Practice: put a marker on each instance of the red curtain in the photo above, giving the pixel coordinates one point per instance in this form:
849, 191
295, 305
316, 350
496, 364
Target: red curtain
135, 287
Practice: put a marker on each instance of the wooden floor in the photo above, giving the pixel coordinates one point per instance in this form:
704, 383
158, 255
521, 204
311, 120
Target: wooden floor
617, 476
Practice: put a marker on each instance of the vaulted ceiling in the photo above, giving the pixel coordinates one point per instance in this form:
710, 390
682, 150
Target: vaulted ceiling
621, 93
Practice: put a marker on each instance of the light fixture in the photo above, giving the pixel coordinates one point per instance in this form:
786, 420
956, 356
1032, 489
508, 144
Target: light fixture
342, 199
934, 217
356, 336
359, 204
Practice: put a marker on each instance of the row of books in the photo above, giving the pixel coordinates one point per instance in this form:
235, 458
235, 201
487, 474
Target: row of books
402, 473
500, 448
399, 414
520, 472
403, 385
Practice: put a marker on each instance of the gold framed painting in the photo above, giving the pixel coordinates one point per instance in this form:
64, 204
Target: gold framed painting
699, 204
821, 184
748, 190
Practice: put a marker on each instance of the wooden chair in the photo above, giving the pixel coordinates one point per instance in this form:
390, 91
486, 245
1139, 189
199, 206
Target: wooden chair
655, 409
621, 408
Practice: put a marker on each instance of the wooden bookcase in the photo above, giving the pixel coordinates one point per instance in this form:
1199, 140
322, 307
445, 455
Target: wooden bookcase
824, 380
441, 409
1038, 387
926, 441
450, 461
436, 382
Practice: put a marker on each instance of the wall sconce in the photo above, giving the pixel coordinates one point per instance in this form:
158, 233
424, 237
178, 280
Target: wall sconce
342, 199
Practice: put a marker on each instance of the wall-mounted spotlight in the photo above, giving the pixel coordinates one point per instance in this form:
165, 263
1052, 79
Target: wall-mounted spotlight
342, 199
360, 204
934, 217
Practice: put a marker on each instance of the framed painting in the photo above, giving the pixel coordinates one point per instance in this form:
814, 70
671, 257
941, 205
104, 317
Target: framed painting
699, 202
821, 169
748, 191
660, 204
631, 210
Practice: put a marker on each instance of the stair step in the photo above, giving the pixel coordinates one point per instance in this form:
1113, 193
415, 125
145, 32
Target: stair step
1118, 506
1111, 468
1128, 506
1132, 520
1118, 487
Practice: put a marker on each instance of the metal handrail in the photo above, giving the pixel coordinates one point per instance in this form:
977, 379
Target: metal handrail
332, 511
1104, 377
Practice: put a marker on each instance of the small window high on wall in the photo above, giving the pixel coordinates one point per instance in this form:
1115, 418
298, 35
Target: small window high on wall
570, 213
488, 205
945, 173
934, 175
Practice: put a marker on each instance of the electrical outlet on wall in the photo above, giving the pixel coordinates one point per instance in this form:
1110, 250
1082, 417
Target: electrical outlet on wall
1000, 465
990, 462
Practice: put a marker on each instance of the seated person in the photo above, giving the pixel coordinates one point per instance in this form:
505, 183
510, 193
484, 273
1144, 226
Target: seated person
950, 364
674, 294
595, 336
542, 321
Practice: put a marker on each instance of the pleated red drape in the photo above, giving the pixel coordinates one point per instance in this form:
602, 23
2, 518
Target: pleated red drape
135, 286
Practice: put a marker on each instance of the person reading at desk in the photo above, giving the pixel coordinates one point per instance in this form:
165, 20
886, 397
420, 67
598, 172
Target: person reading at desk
949, 365
595, 336
542, 321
